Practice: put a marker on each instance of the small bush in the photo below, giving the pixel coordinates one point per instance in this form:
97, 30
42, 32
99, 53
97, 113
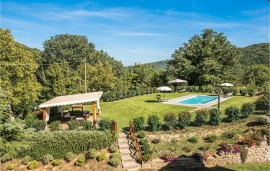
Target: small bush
115, 161
30, 119
263, 103
73, 125
6, 157
243, 154
184, 119
264, 120
57, 162
116, 155
91, 154
193, 140
170, 120
243, 92
101, 157
247, 109
153, 122
146, 148
39, 125
26, 160
215, 118
87, 125
10, 166
229, 135
80, 161
234, 91
47, 159
146, 156
201, 117
138, 123
104, 124
69, 156
155, 141
143, 141
113, 149
140, 134
55, 126
32, 165
210, 138
251, 92
233, 113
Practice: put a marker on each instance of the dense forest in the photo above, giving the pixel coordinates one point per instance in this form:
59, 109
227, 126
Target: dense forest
30, 76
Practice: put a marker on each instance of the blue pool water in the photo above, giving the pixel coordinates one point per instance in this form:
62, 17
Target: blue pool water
197, 100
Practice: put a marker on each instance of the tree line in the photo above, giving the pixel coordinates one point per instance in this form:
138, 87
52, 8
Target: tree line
30, 76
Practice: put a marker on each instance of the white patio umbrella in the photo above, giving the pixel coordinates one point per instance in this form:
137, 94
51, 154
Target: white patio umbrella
226, 85
164, 89
178, 81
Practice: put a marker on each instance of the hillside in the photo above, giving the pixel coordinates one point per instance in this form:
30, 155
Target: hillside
158, 65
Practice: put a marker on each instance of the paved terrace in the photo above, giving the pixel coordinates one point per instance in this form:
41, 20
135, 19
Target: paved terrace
205, 105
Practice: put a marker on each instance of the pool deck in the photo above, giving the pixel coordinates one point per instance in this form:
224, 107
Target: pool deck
205, 105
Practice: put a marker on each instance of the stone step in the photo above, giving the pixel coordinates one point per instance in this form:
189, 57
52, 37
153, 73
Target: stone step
124, 146
122, 140
124, 152
131, 165
122, 135
127, 158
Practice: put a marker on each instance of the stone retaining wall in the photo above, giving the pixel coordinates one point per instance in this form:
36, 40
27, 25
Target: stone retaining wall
255, 154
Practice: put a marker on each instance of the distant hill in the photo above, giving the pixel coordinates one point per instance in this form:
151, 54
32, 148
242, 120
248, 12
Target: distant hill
256, 54
158, 65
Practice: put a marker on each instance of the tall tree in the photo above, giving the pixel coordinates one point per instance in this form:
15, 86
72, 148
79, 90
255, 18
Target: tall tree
206, 59
259, 74
18, 81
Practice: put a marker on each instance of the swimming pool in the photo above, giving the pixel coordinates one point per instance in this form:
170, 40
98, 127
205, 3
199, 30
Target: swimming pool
197, 100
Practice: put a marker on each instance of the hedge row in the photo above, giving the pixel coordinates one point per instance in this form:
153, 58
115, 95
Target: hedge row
116, 95
59, 143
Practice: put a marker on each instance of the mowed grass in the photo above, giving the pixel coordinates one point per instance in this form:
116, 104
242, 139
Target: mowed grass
125, 110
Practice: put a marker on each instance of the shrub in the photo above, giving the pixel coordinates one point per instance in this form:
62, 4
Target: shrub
146, 148
73, 125
247, 109
80, 161
234, 91
251, 92
56, 162
116, 155
184, 119
146, 156
264, 120
78, 141
32, 165
55, 126
10, 166
6, 157
87, 125
138, 123
215, 118
115, 161
153, 122
47, 159
201, 117
193, 140
140, 134
243, 92
170, 120
101, 157
113, 149
30, 119
26, 160
69, 156
233, 113
39, 125
155, 141
143, 141
104, 124
210, 138
243, 154
262, 104
92, 153
229, 135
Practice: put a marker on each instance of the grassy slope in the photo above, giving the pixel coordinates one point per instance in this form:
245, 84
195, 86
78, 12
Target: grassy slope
125, 110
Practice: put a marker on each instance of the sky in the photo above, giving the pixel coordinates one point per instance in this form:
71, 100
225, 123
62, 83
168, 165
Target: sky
136, 31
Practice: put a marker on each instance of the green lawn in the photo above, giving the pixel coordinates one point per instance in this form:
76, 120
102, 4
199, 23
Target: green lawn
145, 105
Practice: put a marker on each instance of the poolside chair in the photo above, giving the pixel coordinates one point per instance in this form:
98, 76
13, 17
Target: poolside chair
160, 99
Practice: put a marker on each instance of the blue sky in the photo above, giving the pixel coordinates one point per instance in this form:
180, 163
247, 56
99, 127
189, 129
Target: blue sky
138, 31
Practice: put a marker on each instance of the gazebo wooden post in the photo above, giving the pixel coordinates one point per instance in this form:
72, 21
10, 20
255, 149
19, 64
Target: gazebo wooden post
94, 115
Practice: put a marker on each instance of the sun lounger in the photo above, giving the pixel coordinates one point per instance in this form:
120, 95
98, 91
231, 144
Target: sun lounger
69, 116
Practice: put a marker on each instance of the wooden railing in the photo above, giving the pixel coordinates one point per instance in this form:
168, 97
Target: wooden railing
138, 152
